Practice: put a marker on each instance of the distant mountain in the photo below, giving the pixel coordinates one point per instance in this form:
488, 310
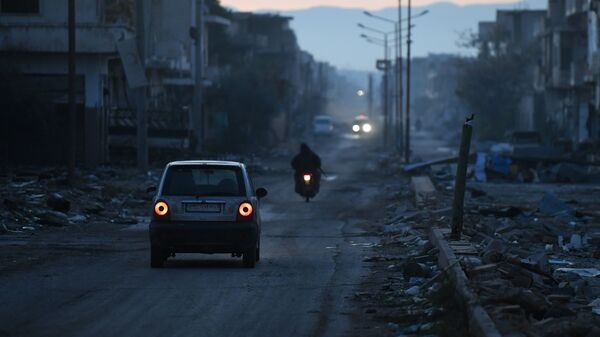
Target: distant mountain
332, 35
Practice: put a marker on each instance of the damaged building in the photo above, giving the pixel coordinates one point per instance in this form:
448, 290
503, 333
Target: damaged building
564, 92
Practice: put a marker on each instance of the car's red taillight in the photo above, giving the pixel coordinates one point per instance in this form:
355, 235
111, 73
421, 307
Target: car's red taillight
245, 211
161, 209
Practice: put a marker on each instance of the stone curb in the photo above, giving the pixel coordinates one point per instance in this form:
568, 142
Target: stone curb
480, 323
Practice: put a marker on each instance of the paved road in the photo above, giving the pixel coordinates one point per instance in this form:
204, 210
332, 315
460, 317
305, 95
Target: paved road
310, 267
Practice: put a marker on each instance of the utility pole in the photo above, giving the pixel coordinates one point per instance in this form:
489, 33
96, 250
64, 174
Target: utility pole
72, 139
400, 86
141, 115
408, 43
198, 98
370, 96
386, 92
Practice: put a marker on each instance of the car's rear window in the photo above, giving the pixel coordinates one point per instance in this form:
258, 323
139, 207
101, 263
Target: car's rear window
195, 180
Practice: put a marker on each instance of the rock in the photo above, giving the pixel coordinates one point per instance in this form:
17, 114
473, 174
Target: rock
416, 281
53, 218
413, 291
414, 269
494, 251
11, 204
58, 203
91, 177
395, 227
551, 205
532, 303
79, 218
93, 207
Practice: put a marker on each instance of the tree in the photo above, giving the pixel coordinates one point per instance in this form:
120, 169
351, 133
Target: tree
492, 85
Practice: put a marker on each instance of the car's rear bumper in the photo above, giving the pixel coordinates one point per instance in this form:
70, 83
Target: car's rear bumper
204, 237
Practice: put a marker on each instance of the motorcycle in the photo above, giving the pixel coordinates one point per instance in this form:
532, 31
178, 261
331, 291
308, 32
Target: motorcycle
309, 186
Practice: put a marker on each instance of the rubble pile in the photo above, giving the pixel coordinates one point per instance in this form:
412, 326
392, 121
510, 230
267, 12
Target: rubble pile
411, 291
40, 199
536, 266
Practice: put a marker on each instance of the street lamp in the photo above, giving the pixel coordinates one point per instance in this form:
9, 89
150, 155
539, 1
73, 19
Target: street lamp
398, 50
383, 66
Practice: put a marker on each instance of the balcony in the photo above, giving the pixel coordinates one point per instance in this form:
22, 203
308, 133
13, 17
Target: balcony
37, 37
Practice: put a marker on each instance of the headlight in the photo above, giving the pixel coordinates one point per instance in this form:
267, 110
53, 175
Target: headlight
367, 127
355, 127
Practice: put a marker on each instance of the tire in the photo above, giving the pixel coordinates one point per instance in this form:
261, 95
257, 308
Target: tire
250, 258
157, 257
258, 252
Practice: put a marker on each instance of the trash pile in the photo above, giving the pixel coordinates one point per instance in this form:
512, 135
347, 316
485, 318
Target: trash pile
536, 267
42, 198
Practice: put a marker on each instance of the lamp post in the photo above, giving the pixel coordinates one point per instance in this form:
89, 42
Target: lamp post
407, 133
399, 65
385, 68
72, 145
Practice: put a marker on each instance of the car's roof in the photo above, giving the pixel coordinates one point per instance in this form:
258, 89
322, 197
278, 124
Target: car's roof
206, 162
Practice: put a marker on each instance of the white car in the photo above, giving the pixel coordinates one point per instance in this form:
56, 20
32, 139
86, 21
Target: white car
322, 125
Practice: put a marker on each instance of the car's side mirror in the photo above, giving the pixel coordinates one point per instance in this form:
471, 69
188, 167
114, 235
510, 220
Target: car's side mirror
261, 193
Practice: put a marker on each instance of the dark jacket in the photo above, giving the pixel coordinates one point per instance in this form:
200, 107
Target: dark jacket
306, 161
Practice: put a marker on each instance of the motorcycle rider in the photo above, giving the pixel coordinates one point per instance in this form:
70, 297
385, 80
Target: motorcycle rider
306, 162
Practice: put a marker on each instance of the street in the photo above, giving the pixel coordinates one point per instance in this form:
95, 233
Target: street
310, 264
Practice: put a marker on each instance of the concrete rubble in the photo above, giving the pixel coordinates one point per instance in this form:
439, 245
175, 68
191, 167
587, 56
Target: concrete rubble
534, 248
42, 199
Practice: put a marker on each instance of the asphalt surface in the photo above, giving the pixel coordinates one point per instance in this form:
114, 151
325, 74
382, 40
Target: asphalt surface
311, 264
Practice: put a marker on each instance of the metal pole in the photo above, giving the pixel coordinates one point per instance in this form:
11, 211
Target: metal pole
461, 178
72, 146
408, 43
394, 89
400, 85
141, 115
385, 94
370, 97
198, 100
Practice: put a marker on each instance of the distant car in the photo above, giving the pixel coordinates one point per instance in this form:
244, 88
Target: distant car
362, 125
206, 207
322, 125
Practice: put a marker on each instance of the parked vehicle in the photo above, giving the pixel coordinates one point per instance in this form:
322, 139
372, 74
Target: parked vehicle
322, 125
206, 207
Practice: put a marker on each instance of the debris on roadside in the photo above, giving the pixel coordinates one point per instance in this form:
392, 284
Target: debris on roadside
534, 265
41, 198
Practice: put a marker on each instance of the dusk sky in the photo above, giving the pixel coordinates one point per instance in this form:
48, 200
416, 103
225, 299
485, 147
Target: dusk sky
250, 5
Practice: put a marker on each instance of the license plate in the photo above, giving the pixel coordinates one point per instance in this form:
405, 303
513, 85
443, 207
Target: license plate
203, 208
